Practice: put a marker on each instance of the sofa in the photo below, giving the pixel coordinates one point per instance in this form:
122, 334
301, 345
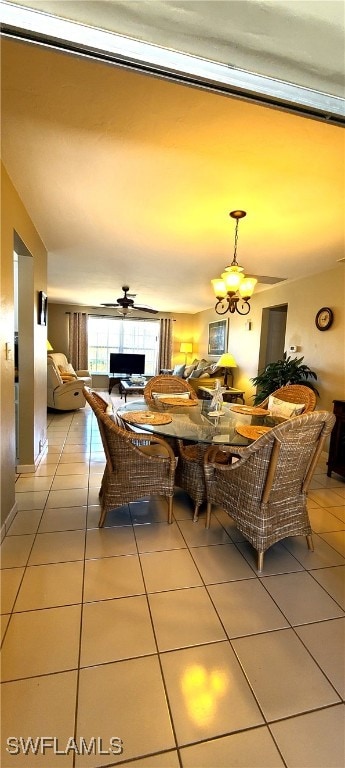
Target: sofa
66, 370
63, 395
200, 373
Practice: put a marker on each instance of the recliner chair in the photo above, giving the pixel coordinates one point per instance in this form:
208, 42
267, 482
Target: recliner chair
66, 370
63, 395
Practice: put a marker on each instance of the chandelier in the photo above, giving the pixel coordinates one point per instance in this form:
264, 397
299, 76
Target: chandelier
233, 289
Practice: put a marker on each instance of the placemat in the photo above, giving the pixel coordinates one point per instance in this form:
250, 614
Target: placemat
251, 431
250, 410
177, 401
146, 417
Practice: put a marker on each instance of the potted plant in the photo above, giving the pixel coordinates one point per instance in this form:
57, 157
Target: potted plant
279, 374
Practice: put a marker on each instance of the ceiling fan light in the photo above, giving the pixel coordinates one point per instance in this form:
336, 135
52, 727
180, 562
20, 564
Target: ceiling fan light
219, 287
246, 288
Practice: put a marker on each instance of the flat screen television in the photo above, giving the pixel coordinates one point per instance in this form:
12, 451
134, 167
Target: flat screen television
129, 363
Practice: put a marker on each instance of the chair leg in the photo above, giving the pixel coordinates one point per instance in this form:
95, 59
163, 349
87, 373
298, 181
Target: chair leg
196, 513
102, 519
170, 509
310, 542
260, 560
208, 515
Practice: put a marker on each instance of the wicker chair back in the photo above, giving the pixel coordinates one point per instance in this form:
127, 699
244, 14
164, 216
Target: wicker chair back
294, 393
265, 491
131, 471
167, 385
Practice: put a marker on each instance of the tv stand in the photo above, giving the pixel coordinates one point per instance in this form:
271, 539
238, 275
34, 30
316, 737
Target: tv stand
115, 379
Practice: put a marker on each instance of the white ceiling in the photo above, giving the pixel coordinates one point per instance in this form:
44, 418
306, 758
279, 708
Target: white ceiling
130, 178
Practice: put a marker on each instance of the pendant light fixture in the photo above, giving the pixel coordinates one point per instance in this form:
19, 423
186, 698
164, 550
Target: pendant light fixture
233, 289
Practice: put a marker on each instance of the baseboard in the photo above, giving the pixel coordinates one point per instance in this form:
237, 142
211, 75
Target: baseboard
21, 468
9, 520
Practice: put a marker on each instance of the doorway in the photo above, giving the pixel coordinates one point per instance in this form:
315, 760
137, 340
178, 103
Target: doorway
24, 351
273, 330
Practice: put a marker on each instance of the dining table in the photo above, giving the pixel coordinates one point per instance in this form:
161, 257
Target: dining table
195, 421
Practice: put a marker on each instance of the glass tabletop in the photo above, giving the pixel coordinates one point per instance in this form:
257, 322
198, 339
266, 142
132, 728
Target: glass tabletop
198, 425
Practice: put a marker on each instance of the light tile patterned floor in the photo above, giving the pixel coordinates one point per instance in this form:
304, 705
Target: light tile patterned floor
166, 637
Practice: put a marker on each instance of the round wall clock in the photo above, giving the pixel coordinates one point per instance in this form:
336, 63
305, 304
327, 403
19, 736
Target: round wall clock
324, 318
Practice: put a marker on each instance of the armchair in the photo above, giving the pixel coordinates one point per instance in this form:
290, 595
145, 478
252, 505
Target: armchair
66, 370
167, 385
63, 395
265, 491
133, 470
293, 394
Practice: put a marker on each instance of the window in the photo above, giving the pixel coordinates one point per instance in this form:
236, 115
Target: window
112, 334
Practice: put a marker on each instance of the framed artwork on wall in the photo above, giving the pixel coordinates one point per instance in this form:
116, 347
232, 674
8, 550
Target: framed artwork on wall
42, 308
217, 337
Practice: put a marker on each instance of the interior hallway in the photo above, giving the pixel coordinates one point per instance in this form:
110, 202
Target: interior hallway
165, 636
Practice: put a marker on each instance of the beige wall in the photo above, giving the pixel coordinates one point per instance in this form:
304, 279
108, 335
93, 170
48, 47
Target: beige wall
14, 218
323, 351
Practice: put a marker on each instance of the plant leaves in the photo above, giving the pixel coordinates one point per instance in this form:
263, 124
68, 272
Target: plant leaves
280, 373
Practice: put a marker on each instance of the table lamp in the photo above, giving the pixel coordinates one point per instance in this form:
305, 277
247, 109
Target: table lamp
227, 361
186, 347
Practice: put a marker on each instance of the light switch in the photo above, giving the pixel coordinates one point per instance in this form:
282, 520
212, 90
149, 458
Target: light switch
8, 351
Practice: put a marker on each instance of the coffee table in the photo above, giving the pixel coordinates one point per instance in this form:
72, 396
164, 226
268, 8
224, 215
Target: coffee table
127, 388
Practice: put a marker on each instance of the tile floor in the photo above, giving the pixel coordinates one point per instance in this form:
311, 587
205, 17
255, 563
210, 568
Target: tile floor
166, 637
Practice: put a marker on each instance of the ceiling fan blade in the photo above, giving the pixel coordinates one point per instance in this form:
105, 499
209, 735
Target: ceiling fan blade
111, 305
146, 309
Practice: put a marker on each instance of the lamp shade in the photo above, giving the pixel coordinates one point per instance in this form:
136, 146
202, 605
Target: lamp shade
49, 346
186, 347
227, 361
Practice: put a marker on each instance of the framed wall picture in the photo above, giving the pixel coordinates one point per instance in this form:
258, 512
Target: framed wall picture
42, 308
217, 337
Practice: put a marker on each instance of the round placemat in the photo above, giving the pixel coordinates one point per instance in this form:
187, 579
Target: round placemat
250, 410
177, 401
146, 417
251, 431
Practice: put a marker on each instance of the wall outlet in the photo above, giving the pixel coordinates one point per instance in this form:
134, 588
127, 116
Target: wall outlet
293, 348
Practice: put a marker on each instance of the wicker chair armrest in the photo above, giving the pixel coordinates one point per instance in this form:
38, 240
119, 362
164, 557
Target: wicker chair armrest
148, 439
242, 453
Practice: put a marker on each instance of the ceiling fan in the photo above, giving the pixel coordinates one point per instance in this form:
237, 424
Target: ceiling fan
125, 304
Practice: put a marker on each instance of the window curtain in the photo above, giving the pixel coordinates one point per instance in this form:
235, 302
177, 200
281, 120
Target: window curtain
165, 343
77, 322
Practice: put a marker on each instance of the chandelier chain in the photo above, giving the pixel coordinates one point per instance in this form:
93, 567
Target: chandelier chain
235, 243
233, 290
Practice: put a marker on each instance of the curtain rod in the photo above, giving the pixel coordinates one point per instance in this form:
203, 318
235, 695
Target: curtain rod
117, 317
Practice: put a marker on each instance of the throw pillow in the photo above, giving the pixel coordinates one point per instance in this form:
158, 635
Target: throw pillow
179, 370
189, 370
69, 369
283, 409
159, 395
202, 364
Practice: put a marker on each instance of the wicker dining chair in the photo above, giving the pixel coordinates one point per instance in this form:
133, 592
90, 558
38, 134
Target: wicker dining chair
265, 491
294, 393
190, 473
131, 471
167, 385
